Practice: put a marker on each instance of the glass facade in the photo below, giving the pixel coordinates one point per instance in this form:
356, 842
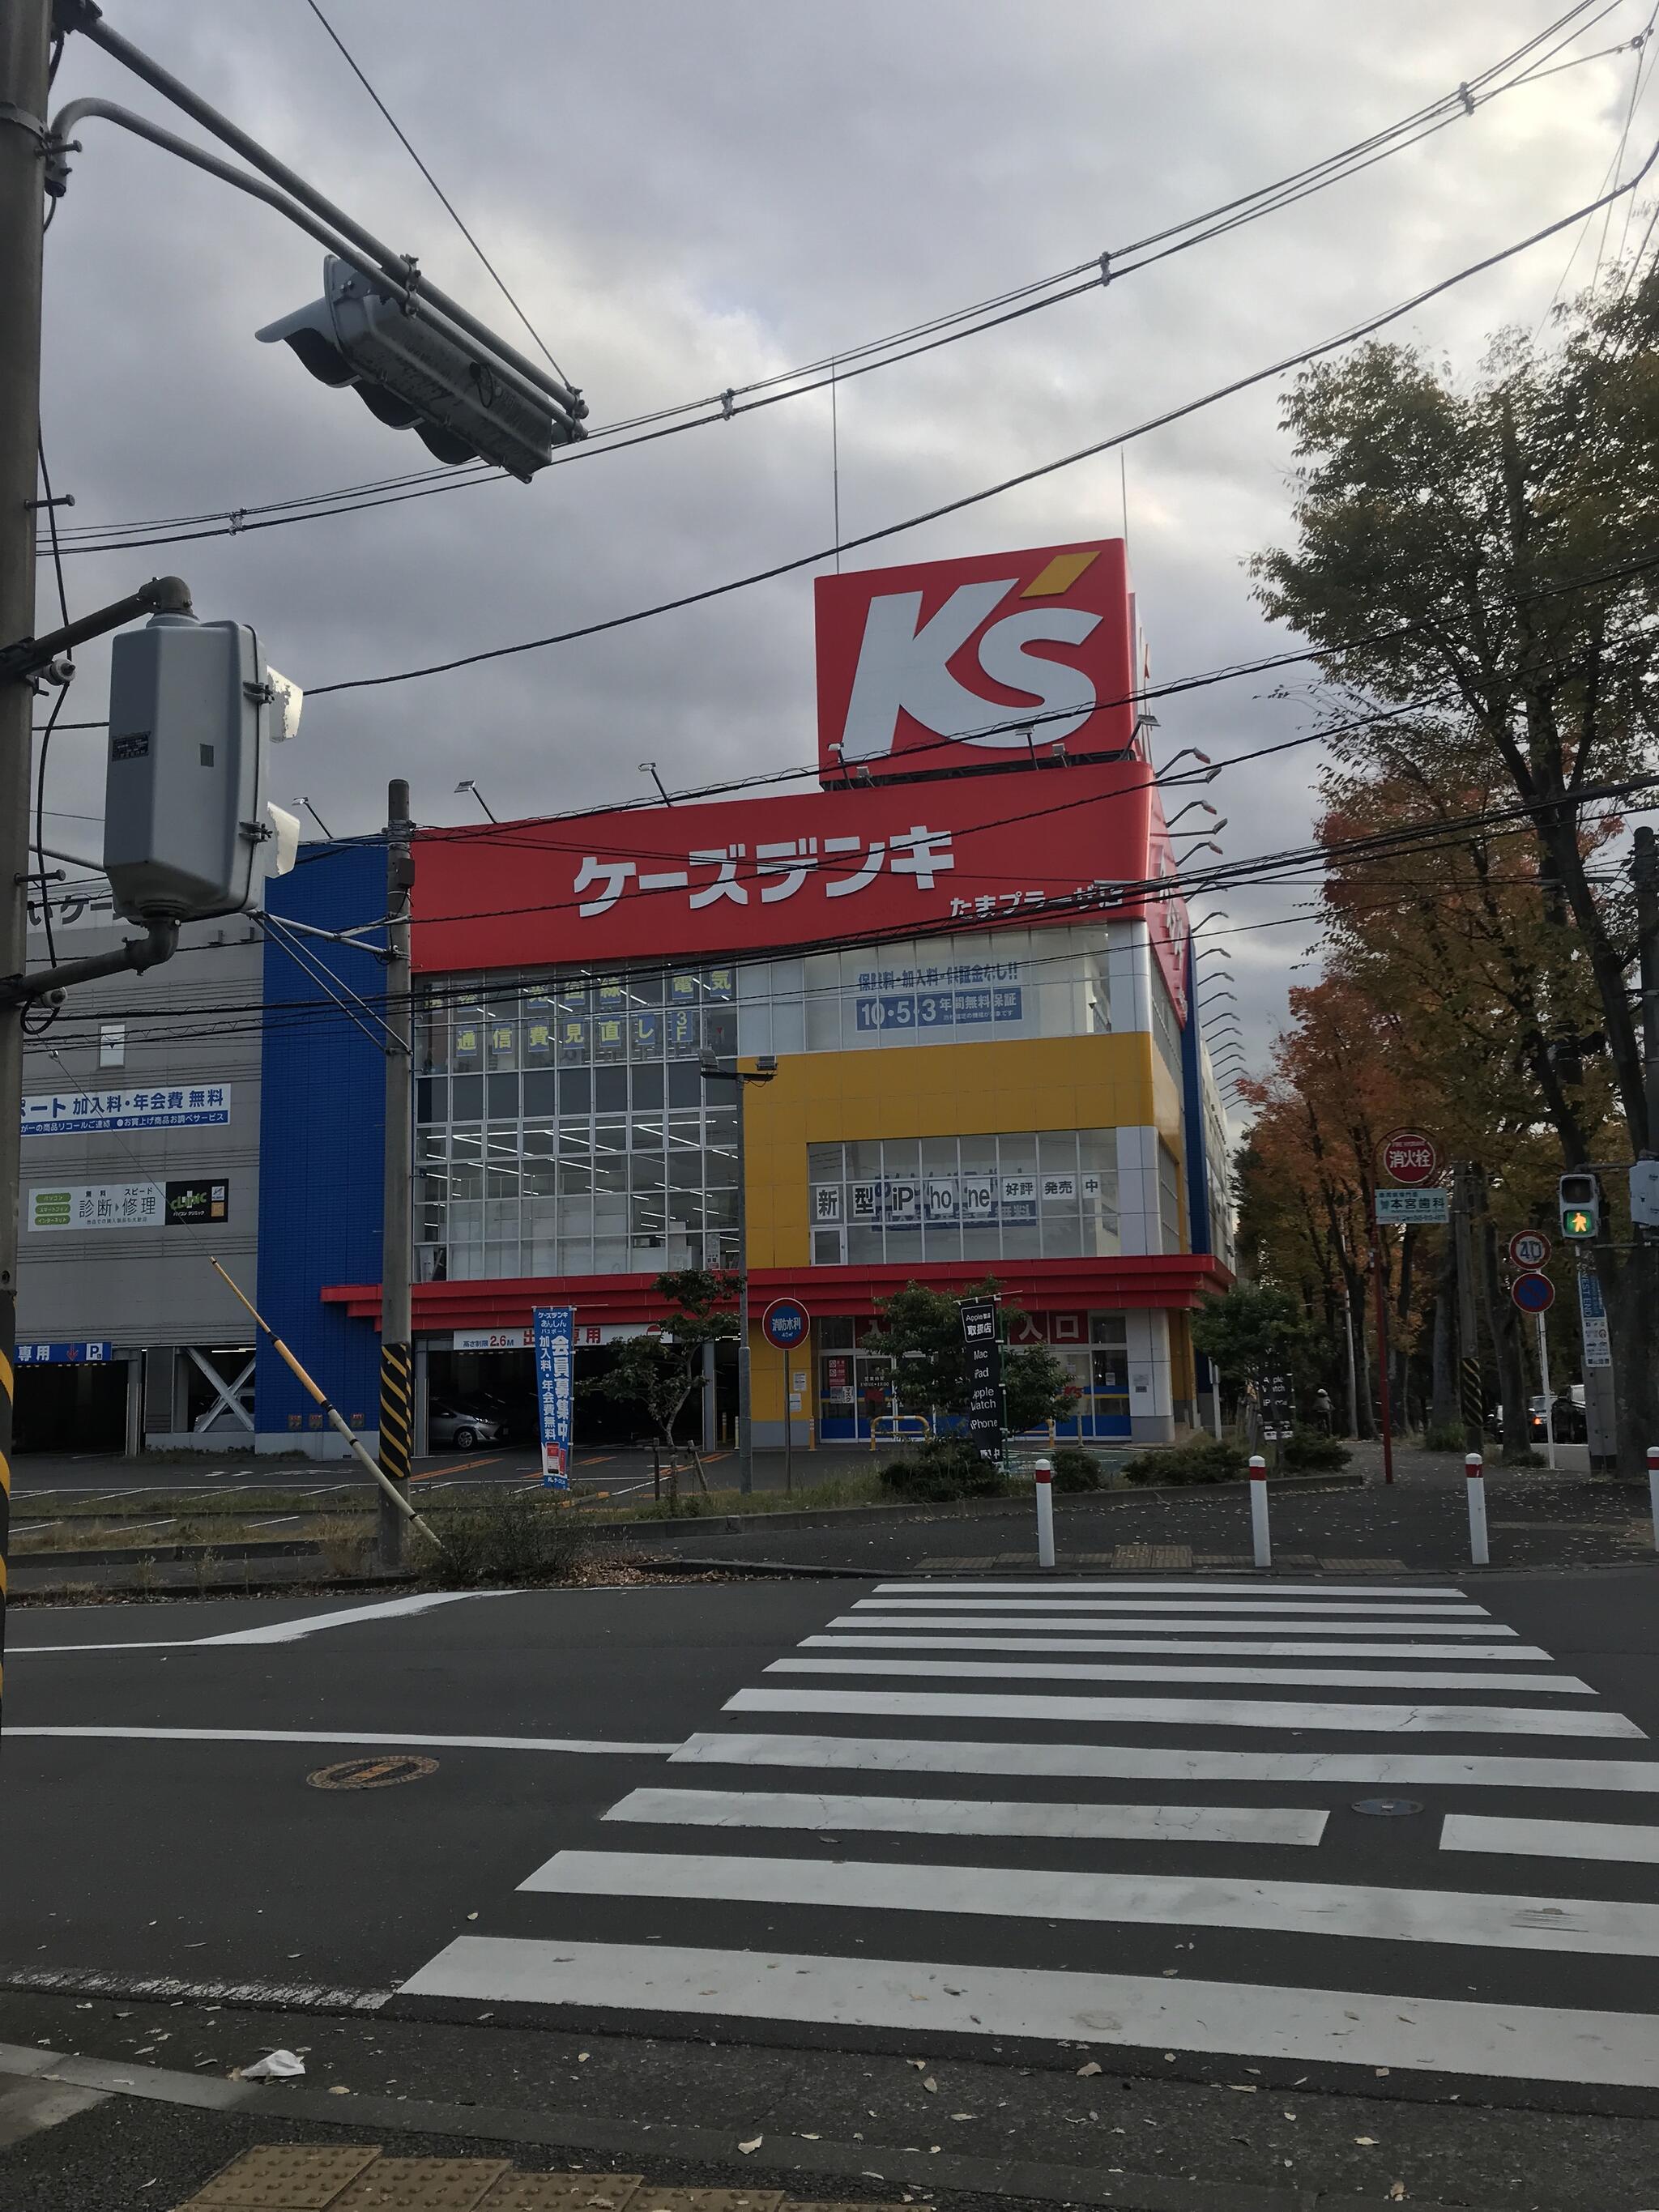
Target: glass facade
563, 1129
1046, 1194
856, 1389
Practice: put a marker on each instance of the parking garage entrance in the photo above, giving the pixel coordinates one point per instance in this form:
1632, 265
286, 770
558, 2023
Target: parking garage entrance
473, 1389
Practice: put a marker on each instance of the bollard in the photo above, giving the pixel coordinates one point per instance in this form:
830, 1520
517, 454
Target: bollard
1474, 1468
1045, 1506
1263, 1549
1653, 1490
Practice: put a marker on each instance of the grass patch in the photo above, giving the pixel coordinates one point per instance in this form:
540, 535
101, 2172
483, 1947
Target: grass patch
863, 1488
503, 1536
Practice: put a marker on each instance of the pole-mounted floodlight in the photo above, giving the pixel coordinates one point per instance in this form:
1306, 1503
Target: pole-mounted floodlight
467, 784
1202, 805
649, 767
303, 800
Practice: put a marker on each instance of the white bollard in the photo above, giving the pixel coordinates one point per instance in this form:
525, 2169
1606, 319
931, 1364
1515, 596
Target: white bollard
1263, 1549
1653, 1490
1475, 1468
1045, 1506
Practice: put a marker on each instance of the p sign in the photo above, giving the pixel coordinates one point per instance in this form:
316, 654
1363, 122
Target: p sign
1409, 1157
1534, 1294
785, 1324
1529, 1249
926, 670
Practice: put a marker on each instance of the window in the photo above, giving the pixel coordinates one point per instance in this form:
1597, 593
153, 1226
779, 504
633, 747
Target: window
111, 1044
1168, 1198
1051, 1193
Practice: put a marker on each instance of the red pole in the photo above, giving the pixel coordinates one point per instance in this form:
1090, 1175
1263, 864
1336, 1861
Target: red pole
1382, 1359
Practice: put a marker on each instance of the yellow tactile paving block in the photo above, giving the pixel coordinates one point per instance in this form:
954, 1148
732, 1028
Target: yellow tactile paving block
562, 2192
706, 2200
283, 2177
421, 2185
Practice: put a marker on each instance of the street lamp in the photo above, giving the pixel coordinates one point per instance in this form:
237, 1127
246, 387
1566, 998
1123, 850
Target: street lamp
467, 784
1207, 951
763, 1071
303, 801
1203, 804
649, 767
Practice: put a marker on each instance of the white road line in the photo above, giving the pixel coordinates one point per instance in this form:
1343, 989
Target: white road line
359, 1736
1185, 1588
1262, 1608
866, 1754
276, 1631
1564, 1839
1193, 1646
396, 1608
1129, 2011
971, 1816
1032, 1624
1358, 1678
1468, 1917
1072, 1708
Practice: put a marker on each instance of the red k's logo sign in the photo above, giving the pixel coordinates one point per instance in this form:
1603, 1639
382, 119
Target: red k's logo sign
931, 669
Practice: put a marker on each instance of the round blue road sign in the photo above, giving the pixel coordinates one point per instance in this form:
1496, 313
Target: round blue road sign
785, 1324
1534, 1294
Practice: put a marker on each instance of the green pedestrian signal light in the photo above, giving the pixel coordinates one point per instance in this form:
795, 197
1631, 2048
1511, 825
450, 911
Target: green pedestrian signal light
1581, 1208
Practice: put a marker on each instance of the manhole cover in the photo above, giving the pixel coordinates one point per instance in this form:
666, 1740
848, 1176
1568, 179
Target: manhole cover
372, 1773
1387, 1808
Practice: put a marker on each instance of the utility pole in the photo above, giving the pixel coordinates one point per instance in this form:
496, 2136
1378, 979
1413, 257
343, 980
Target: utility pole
1471, 1395
1645, 870
25, 37
396, 1221
764, 1069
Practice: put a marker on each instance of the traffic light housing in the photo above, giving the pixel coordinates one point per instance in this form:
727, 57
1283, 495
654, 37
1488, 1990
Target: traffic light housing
188, 830
462, 405
1580, 1198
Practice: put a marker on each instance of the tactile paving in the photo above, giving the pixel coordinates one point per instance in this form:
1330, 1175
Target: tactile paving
562, 2192
421, 2185
283, 2177
707, 2200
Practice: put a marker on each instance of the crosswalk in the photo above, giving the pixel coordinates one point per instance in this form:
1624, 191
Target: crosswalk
1140, 1817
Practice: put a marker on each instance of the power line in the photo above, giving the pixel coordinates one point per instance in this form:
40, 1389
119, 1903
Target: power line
443, 196
1096, 272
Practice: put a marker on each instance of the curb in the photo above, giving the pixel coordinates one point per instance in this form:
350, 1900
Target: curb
1027, 2180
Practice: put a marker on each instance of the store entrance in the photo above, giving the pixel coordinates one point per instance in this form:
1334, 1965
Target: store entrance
80, 1408
486, 1401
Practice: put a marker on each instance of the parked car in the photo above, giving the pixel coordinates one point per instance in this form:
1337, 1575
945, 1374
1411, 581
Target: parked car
1569, 1422
465, 1422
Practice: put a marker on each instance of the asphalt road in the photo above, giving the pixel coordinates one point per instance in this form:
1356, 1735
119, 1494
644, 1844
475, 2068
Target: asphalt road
705, 1814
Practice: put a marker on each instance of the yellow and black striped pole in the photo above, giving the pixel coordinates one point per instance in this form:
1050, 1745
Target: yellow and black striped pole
396, 1411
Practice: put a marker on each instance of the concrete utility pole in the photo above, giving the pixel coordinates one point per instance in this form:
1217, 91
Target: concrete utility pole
1645, 871
25, 37
1471, 1395
397, 1222
764, 1071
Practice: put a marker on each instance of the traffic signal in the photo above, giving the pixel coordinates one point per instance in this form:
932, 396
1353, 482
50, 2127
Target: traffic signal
188, 832
463, 404
1581, 1208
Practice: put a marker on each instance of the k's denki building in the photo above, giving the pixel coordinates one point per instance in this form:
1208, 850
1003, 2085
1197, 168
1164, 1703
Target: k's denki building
966, 952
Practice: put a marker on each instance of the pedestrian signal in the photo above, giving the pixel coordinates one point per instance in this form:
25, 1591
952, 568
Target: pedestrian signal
1581, 1208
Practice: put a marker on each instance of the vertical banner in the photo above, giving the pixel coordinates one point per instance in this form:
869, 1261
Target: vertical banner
554, 1331
979, 1330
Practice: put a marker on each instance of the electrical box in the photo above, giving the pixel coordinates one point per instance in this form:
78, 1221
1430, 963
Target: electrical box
188, 832
1644, 1193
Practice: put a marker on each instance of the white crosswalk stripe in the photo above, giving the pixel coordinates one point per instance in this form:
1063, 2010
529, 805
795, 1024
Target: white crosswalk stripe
997, 1866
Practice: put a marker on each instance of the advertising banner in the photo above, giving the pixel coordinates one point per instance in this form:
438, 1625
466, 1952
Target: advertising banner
979, 1330
922, 669
729, 875
554, 1331
88, 1113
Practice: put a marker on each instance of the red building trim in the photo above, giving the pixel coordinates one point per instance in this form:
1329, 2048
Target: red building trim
1173, 1281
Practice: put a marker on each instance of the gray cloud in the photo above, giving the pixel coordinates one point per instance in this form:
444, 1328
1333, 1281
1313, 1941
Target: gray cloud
687, 197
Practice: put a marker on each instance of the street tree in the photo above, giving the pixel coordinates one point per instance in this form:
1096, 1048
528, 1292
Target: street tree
1482, 550
658, 1372
1253, 1333
919, 1331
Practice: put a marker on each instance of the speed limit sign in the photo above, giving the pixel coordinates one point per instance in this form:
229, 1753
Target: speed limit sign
1529, 1248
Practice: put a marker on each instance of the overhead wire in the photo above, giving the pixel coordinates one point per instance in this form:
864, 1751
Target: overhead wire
848, 361
403, 139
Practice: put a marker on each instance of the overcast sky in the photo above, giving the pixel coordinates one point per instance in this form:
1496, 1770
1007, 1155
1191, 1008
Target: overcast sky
688, 197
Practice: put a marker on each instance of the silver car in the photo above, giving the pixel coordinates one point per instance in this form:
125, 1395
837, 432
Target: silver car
462, 1425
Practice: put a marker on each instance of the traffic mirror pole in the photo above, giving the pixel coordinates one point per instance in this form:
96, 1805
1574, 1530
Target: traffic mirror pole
1383, 1405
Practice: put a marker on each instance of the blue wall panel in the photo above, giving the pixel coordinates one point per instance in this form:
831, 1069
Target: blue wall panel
321, 1130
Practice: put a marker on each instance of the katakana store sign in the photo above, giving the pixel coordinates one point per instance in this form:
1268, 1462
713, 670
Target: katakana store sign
926, 669
769, 874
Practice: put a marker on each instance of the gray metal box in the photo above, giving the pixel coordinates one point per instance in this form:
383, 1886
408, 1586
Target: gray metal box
184, 817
